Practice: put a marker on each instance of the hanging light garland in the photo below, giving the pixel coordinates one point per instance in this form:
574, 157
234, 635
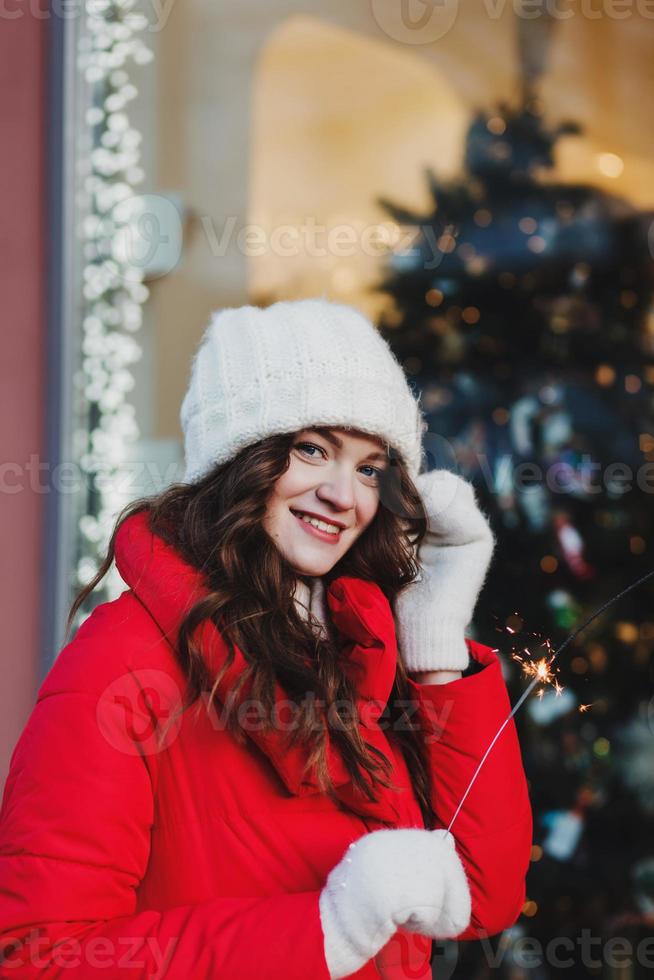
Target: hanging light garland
113, 291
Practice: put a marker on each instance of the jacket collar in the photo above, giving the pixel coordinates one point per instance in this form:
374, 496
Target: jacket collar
364, 628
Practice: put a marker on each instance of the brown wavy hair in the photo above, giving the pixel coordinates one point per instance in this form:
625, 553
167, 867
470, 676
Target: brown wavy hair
216, 525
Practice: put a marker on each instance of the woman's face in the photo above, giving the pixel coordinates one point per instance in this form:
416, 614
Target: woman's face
333, 475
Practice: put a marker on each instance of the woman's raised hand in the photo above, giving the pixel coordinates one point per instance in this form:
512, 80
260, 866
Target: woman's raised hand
433, 612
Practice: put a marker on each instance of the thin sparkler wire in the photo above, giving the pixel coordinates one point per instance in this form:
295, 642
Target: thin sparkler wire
536, 679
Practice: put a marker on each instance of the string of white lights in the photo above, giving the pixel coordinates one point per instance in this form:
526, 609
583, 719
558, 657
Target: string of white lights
113, 291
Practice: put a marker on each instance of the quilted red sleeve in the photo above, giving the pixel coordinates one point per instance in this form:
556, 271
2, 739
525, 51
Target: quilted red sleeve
493, 830
74, 843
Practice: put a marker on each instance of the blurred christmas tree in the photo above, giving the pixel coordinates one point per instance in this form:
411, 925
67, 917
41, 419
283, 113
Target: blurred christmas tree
523, 314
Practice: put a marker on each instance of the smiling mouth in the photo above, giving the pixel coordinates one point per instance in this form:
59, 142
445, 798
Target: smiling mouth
324, 527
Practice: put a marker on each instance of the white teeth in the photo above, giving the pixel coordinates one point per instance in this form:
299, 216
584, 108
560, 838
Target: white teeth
330, 528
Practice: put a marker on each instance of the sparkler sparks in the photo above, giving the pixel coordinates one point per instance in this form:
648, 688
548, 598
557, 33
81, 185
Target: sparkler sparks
538, 668
540, 671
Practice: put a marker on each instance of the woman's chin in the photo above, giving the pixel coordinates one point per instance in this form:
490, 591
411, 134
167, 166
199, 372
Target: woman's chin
312, 572
308, 568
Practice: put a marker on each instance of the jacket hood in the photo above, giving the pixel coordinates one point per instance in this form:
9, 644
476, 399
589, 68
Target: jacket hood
168, 587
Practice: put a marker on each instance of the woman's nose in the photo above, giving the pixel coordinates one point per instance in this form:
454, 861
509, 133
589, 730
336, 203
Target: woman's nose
338, 491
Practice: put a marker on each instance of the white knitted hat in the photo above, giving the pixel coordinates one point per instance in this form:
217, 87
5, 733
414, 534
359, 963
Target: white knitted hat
290, 366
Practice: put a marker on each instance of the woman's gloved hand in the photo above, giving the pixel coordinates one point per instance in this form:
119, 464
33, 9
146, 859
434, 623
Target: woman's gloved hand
432, 613
390, 878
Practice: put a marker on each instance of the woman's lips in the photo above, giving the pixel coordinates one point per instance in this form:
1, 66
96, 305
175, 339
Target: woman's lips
316, 531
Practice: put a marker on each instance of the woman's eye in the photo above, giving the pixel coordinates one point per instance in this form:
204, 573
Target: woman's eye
304, 446
307, 445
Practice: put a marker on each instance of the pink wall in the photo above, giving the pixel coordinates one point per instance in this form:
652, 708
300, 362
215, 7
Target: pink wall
22, 324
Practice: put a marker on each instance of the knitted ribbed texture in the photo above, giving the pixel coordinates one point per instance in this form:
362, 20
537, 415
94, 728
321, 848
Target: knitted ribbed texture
311, 601
407, 878
292, 365
433, 612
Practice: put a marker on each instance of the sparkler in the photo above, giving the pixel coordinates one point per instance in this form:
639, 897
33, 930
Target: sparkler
540, 671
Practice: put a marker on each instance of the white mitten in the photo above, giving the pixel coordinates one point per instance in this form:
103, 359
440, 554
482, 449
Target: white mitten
433, 613
390, 878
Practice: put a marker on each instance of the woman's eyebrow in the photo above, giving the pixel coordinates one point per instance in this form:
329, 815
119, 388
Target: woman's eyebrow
335, 441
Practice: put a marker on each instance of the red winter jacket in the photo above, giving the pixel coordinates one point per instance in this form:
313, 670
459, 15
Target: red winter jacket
204, 858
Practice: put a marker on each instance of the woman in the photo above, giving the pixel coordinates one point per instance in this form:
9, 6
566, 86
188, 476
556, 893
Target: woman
243, 767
